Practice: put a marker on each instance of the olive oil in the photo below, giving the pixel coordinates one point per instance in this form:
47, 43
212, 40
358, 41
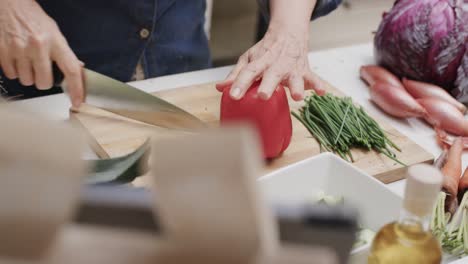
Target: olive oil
409, 239
396, 243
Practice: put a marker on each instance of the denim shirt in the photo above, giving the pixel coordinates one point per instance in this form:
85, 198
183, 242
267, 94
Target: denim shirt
113, 36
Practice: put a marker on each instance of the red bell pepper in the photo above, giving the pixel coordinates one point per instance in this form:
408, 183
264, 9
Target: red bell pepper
271, 117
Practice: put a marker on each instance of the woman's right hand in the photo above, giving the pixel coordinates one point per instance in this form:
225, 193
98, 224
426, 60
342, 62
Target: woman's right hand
30, 41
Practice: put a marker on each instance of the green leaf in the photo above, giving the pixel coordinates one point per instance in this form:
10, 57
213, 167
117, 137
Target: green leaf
119, 170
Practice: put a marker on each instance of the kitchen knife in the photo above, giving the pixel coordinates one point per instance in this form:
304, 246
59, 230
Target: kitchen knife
124, 100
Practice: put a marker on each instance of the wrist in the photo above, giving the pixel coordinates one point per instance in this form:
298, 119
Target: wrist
281, 35
288, 26
279, 30
290, 17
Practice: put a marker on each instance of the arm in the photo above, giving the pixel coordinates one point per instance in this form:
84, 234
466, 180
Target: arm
281, 56
322, 8
30, 41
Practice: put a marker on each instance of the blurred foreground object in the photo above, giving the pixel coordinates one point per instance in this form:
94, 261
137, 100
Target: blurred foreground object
218, 190
41, 173
208, 206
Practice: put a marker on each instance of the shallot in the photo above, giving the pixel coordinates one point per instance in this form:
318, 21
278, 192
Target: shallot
373, 74
444, 116
395, 101
425, 90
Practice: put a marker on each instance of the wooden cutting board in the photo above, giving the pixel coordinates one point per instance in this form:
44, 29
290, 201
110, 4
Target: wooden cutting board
111, 135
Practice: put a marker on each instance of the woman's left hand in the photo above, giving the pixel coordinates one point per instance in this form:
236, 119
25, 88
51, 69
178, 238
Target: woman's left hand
279, 58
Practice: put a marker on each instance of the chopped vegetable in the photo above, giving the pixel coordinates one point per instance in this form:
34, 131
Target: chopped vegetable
395, 101
425, 90
322, 197
373, 74
444, 116
338, 125
364, 236
270, 117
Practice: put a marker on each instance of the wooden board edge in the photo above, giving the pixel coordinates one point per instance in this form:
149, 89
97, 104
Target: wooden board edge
398, 174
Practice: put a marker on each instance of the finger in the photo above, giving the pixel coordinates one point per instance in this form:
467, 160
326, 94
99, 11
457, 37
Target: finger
241, 63
7, 63
223, 85
312, 82
246, 77
25, 71
296, 86
9, 68
72, 70
270, 81
43, 70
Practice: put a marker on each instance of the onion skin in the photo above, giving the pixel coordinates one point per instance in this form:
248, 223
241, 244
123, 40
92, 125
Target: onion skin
395, 101
425, 90
373, 74
452, 171
444, 116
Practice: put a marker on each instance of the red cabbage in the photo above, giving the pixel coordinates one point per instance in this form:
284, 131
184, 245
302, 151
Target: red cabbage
426, 40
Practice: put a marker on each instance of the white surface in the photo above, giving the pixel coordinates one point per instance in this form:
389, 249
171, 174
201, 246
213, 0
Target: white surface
326, 172
340, 67
330, 174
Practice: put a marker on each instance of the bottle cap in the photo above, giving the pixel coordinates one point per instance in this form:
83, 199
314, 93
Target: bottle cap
423, 184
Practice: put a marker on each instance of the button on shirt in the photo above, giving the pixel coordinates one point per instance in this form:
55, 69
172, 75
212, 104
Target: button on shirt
144, 33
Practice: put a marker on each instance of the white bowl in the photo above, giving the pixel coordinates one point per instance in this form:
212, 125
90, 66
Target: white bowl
301, 181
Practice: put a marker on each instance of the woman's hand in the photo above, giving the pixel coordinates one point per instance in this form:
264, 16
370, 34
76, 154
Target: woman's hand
280, 57
29, 42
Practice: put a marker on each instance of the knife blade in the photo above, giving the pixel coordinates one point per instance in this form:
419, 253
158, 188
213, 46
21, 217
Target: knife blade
125, 100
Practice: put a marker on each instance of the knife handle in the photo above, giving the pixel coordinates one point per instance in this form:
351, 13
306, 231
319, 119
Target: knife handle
57, 75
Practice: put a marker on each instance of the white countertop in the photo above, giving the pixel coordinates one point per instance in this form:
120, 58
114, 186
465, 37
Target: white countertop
339, 66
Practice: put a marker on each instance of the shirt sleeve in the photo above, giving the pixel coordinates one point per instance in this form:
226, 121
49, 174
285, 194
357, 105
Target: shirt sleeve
322, 8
